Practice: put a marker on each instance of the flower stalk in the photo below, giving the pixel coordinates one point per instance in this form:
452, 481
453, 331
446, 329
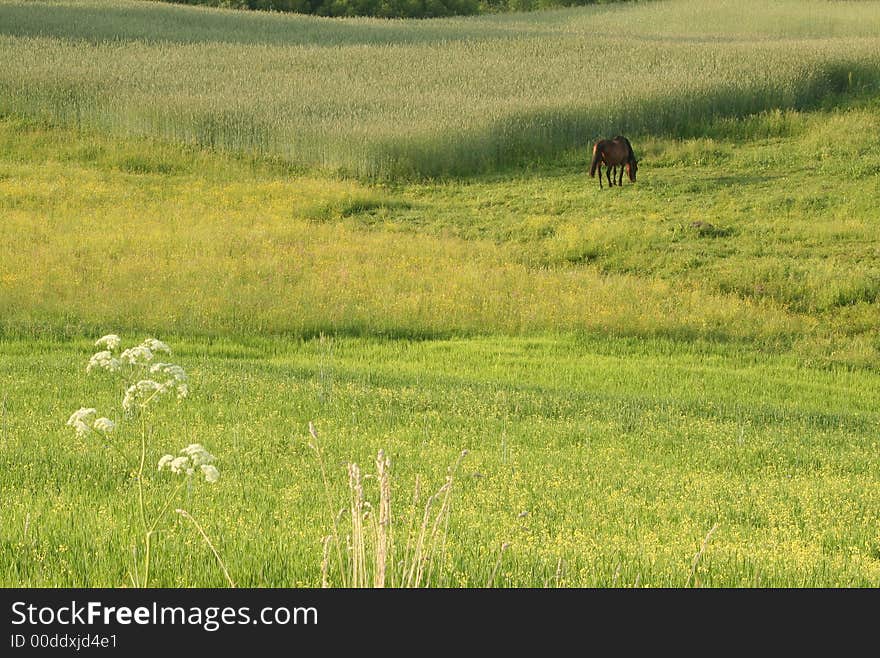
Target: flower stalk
146, 384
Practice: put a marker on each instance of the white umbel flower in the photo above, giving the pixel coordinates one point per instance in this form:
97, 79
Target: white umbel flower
181, 465
156, 346
177, 378
137, 356
143, 389
110, 341
197, 453
104, 360
80, 420
193, 457
104, 425
211, 473
173, 372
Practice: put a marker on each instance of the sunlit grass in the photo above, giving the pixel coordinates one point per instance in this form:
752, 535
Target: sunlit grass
756, 239
612, 457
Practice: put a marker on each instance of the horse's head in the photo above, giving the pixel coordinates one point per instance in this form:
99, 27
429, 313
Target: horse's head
631, 168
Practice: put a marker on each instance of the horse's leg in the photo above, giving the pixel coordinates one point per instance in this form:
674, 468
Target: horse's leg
620, 180
608, 175
600, 174
613, 175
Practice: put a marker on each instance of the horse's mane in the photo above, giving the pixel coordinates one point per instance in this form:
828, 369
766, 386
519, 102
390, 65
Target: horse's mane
632, 155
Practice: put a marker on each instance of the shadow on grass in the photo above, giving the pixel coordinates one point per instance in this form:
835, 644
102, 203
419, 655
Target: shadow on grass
531, 142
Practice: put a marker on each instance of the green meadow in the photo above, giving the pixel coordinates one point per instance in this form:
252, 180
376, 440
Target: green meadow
671, 383
599, 461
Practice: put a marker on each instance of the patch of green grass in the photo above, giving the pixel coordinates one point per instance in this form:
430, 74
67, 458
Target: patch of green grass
604, 460
369, 206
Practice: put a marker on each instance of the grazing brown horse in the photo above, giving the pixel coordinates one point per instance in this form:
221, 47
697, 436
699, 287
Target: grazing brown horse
614, 153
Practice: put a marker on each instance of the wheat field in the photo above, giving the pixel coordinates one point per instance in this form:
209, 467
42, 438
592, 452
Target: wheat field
390, 99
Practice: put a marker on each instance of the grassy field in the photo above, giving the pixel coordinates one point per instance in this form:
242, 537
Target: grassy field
388, 99
615, 457
759, 233
628, 369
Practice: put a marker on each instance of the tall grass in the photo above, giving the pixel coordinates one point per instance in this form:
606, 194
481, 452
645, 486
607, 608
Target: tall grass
371, 557
404, 99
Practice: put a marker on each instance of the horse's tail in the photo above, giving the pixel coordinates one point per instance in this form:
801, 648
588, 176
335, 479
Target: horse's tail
597, 155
